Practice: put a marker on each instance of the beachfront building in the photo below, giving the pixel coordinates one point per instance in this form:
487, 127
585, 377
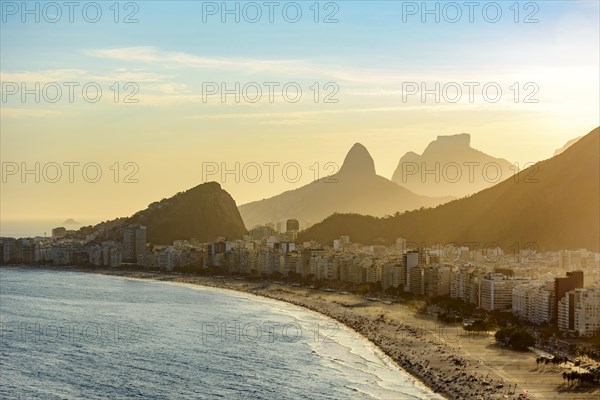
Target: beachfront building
416, 282
534, 302
267, 262
107, 254
410, 260
167, 259
497, 289
572, 280
391, 276
134, 242
437, 280
579, 311
351, 270
319, 261
292, 263
464, 284
373, 273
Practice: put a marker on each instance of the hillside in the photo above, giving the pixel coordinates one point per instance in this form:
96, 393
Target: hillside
554, 204
204, 212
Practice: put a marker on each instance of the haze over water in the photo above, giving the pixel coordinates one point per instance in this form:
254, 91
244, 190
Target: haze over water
76, 335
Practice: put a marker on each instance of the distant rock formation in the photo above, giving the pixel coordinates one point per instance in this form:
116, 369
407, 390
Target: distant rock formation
449, 166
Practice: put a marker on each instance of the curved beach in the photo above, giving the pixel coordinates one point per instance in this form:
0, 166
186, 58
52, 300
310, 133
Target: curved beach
447, 360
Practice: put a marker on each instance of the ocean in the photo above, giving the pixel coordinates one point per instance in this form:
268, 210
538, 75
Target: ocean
75, 335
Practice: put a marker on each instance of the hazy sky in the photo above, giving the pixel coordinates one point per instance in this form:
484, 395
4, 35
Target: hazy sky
371, 61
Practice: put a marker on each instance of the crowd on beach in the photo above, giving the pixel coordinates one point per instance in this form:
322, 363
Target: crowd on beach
440, 364
433, 361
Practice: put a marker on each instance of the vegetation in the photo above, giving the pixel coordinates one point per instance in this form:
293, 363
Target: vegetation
204, 212
580, 350
452, 308
480, 325
515, 337
554, 361
580, 377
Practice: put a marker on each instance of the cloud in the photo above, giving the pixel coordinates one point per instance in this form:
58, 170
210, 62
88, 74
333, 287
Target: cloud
152, 55
351, 77
80, 76
294, 117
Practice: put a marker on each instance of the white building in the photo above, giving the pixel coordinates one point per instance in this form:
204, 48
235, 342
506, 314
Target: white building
464, 284
437, 280
579, 311
533, 302
391, 276
497, 291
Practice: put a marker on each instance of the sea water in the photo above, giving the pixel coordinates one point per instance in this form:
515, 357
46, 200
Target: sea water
75, 335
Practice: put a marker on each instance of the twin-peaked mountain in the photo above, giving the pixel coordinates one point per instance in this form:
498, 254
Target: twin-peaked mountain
449, 166
356, 188
552, 205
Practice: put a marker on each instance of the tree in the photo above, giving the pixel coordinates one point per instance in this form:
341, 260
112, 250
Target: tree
516, 338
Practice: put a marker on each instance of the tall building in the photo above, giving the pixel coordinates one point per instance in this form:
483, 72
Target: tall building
410, 260
579, 311
437, 280
573, 280
464, 284
534, 302
391, 276
497, 291
350, 270
416, 282
372, 273
134, 243
7, 250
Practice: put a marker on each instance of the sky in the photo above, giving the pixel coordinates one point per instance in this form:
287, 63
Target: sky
274, 94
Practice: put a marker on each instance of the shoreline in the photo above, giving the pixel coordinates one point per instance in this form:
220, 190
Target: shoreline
441, 358
381, 353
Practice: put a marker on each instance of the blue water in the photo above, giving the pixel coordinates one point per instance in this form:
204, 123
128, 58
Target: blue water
70, 335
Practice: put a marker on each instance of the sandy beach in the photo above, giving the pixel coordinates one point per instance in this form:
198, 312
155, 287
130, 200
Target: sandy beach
450, 361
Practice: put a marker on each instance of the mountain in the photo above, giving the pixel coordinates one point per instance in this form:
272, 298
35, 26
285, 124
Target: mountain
554, 204
567, 145
204, 212
461, 170
354, 188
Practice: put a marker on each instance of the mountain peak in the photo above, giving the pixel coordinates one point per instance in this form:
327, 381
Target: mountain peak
460, 140
358, 161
